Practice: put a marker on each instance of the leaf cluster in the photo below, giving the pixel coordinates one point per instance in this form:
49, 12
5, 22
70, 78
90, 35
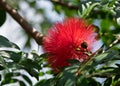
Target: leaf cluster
15, 63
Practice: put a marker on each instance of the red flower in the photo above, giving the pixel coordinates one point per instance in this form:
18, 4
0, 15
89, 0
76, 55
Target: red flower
71, 39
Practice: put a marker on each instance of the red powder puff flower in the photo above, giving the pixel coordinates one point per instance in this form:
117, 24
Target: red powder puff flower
71, 39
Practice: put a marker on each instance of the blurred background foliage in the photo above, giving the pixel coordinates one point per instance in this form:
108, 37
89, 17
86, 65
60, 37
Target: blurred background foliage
31, 69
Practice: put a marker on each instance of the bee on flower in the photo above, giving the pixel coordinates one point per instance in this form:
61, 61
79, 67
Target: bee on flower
67, 40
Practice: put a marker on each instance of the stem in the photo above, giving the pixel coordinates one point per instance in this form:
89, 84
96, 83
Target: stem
87, 61
24, 24
83, 65
114, 42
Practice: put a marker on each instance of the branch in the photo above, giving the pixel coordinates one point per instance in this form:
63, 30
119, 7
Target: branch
114, 42
24, 24
68, 5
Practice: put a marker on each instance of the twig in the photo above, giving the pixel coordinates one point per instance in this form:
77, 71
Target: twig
114, 42
24, 24
68, 5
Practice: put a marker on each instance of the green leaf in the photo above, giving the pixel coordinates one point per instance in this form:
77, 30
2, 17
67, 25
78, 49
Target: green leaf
112, 3
4, 42
44, 55
1, 67
108, 81
39, 59
70, 82
11, 55
117, 77
32, 72
8, 81
100, 57
92, 82
41, 73
116, 83
49, 72
27, 79
30, 64
73, 61
81, 80
68, 76
105, 57
85, 10
31, 67
21, 83
47, 82
2, 16
0, 77
15, 56
12, 74
118, 65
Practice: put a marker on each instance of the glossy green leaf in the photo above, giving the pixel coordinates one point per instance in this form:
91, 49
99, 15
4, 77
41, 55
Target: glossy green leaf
86, 9
12, 74
81, 81
11, 55
32, 72
108, 82
8, 81
49, 72
30, 64
9, 78
118, 65
70, 82
0, 77
116, 83
4, 42
100, 57
106, 32
27, 79
92, 82
2, 16
117, 77
73, 61
22, 83
107, 56
41, 73
67, 76
47, 82
31, 67
1, 67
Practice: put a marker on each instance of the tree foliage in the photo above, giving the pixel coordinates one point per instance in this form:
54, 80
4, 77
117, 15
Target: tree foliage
102, 69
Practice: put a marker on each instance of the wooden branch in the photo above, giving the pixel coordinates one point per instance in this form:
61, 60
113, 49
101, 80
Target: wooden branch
68, 5
24, 24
